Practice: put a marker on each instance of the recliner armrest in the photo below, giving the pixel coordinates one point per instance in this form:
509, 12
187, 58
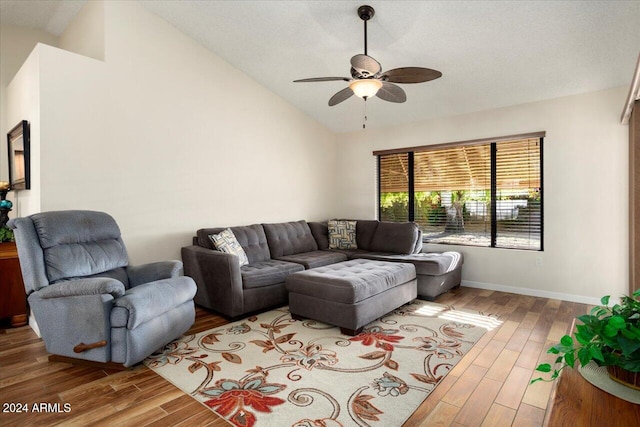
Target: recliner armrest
80, 287
153, 299
151, 272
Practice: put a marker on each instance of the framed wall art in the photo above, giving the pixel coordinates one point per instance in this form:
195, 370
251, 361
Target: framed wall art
18, 142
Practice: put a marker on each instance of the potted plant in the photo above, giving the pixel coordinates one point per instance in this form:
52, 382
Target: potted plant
609, 336
6, 234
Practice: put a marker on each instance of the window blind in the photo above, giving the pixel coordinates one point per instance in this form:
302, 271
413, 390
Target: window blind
394, 187
483, 194
518, 205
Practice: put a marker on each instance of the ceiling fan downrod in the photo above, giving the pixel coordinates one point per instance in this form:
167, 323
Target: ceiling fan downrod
365, 13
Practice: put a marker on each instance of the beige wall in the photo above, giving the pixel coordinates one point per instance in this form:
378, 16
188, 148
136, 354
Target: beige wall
23, 97
169, 138
16, 43
85, 34
585, 192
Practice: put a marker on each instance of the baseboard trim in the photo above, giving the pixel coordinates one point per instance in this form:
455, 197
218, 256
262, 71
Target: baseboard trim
537, 293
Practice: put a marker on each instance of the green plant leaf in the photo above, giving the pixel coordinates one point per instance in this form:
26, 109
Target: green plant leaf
570, 359
630, 365
605, 300
596, 353
584, 355
588, 319
553, 350
544, 367
617, 322
609, 331
628, 346
567, 341
6, 234
584, 337
628, 334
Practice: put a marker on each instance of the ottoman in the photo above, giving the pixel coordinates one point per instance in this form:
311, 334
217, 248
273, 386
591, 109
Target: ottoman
351, 294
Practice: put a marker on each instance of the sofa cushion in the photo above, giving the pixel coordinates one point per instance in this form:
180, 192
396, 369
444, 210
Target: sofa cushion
267, 273
365, 230
350, 253
288, 238
342, 234
396, 237
251, 238
226, 242
315, 259
320, 231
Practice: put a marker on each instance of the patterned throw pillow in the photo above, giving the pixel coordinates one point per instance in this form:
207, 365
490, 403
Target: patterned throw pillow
342, 234
226, 241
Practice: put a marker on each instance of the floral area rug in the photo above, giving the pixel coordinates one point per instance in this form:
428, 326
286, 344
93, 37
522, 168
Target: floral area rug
271, 370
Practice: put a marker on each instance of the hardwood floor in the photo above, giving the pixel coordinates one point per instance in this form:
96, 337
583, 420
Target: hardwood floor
489, 387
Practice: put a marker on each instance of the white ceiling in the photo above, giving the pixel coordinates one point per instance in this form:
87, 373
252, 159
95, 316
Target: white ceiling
491, 53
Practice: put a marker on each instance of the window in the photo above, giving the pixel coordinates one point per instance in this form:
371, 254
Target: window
480, 193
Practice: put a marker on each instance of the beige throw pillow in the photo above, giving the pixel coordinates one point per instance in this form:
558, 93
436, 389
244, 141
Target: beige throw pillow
226, 241
342, 234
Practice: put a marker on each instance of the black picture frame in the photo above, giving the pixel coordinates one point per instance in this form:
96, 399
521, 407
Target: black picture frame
19, 146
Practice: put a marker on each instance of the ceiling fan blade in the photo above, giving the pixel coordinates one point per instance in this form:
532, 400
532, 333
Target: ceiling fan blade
392, 93
340, 96
365, 65
411, 75
322, 79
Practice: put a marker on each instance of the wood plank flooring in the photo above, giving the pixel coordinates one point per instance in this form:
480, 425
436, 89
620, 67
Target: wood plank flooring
489, 387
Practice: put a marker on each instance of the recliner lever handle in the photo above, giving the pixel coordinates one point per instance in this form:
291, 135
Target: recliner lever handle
84, 347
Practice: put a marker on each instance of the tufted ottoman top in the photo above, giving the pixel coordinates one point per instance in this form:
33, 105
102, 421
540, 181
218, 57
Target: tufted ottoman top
350, 281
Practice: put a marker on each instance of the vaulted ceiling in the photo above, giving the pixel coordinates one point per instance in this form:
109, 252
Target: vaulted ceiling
491, 53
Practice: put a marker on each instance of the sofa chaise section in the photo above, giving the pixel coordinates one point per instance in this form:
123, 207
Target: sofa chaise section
400, 242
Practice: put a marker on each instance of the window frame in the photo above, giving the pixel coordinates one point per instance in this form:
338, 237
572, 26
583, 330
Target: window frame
493, 142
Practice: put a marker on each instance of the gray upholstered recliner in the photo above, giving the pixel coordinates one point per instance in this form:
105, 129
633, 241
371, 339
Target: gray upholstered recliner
89, 303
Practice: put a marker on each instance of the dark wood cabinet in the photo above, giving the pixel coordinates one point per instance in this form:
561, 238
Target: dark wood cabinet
13, 300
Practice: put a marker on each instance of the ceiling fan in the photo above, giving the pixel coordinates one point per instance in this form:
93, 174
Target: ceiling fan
368, 79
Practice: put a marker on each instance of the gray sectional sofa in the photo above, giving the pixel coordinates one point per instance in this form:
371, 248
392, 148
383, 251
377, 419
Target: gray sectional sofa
278, 250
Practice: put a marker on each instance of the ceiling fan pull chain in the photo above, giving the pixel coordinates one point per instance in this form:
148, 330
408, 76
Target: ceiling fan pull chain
364, 120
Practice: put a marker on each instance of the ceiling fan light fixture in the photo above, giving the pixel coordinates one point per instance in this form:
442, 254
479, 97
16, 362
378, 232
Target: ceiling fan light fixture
365, 88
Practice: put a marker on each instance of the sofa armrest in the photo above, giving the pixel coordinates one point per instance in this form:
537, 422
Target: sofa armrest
153, 299
217, 275
83, 287
146, 273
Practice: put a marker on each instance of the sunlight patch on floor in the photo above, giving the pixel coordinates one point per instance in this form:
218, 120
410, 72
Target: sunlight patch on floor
430, 310
479, 320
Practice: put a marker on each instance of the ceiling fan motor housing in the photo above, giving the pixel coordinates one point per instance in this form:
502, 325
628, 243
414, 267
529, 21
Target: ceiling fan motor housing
366, 12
